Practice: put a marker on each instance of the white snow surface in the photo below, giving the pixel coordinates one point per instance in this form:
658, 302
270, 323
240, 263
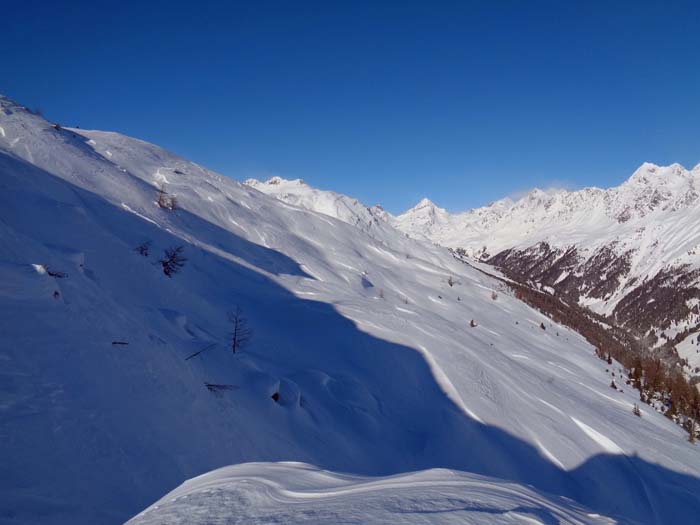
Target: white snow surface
296, 493
368, 346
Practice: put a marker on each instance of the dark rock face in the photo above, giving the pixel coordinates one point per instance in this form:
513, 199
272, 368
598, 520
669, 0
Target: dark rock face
564, 271
660, 301
643, 308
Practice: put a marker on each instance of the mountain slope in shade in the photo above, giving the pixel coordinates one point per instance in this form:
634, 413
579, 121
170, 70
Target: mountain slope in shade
630, 252
119, 382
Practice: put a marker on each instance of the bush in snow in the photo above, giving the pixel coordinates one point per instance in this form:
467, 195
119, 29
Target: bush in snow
173, 261
165, 201
142, 249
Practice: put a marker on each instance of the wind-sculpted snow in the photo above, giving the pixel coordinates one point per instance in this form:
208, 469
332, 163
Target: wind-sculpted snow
364, 340
295, 494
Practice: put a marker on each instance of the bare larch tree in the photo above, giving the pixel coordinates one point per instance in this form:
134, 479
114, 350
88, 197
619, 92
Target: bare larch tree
240, 332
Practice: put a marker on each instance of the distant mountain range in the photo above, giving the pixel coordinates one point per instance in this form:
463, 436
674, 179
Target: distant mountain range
631, 253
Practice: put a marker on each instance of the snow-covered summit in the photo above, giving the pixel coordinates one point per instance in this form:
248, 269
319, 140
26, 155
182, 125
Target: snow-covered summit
651, 192
372, 220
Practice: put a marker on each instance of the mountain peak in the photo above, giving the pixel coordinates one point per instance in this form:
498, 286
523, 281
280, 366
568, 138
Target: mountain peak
274, 181
424, 203
649, 172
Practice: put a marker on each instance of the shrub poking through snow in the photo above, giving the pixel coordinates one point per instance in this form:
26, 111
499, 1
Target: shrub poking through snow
166, 201
240, 333
143, 248
173, 260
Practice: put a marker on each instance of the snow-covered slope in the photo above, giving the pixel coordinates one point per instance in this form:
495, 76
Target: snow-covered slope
295, 494
363, 340
371, 220
616, 251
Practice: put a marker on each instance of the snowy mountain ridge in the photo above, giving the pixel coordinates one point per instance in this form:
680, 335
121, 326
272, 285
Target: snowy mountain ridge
617, 251
297, 192
651, 191
119, 381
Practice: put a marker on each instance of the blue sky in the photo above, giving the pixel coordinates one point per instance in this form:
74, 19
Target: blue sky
462, 102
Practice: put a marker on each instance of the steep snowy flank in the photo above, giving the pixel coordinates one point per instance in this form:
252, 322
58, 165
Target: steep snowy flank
630, 252
349, 210
119, 381
295, 494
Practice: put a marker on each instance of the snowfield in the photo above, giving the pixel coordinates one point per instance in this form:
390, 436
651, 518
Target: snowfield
357, 332
296, 493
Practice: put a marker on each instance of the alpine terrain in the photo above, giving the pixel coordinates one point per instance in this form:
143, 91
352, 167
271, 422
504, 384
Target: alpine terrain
630, 253
179, 347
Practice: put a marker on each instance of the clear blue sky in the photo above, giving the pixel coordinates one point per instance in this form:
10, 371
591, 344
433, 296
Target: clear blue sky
463, 102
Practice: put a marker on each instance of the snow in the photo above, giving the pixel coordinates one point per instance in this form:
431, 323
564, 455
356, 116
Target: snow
605, 442
689, 349
94, 432
654, 215
296, 493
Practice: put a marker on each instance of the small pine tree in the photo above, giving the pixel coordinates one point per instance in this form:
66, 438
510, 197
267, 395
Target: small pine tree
173, 261
240, 333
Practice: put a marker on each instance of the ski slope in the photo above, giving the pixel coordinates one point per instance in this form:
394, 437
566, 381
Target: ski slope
360, 334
